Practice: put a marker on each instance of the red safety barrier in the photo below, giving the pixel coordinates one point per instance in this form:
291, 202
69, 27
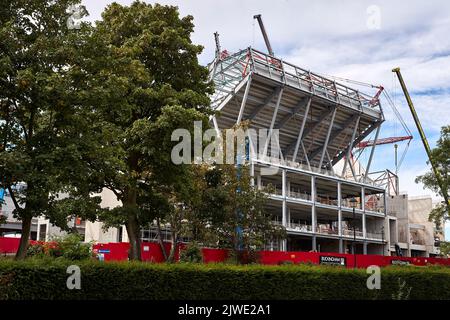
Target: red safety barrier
113, 251
9, 245
151, 251
214, 255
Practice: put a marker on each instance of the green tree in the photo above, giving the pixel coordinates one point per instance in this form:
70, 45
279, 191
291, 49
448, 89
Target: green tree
144, 81
41, 124
441, 156
225, 201
444, 248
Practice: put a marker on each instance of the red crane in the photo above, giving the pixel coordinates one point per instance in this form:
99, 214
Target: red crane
368, 143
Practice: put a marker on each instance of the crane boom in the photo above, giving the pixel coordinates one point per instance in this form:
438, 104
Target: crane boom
264, 33
423, 137
368, 143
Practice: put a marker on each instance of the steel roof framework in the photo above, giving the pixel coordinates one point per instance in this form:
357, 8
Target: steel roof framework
319, 120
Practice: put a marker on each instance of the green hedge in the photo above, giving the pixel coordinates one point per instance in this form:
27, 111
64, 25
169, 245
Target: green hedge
46, 279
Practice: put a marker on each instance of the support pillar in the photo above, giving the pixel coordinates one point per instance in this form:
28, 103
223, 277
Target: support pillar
313, 212
284, 207
363, 207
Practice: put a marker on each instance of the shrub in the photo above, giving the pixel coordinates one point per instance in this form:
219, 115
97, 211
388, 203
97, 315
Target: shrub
191, 253
35, 250
71, 247
46, 279
243, 257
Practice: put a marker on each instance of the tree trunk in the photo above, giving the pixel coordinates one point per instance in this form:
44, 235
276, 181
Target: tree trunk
161, 242
134, 238
23, 245
173, 248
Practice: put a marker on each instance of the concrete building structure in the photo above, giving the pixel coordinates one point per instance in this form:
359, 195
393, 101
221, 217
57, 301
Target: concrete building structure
409, 225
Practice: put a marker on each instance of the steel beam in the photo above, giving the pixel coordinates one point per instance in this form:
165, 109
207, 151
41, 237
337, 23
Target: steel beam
358, 139
308, 130
334, 135
325, 145
264, 104
216, 126
228, 97
369, 162
350, 147
274, 117
301, 104
300, 133
244, 100
306, 155
329, 164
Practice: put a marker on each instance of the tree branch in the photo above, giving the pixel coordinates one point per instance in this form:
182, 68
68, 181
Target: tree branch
13, 198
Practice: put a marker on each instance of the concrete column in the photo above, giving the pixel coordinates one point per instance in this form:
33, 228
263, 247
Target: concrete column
288, 216
341, 246
313, 207
283, 194
284, 245
365, 247
339, 210
252, 173
258, 180
364, 225
284, 207
313, 211
363, 200
363, 208
288, 188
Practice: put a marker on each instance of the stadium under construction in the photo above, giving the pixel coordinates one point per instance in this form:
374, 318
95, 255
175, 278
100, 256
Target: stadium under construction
326, 200
326, 197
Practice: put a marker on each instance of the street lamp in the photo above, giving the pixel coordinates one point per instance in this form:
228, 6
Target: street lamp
353, 204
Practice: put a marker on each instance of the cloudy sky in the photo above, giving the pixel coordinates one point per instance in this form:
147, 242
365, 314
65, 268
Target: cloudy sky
359, 40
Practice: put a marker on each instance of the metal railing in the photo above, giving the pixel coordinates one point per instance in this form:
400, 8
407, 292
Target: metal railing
300, 227
374, 235
311, 82
299, 195
327, 201
349, 233
231, 69
326, 229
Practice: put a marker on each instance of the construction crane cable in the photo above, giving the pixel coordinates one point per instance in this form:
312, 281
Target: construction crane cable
397, 113
365, 84
403, 156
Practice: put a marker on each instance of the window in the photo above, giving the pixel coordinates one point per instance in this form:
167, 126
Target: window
42, 232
